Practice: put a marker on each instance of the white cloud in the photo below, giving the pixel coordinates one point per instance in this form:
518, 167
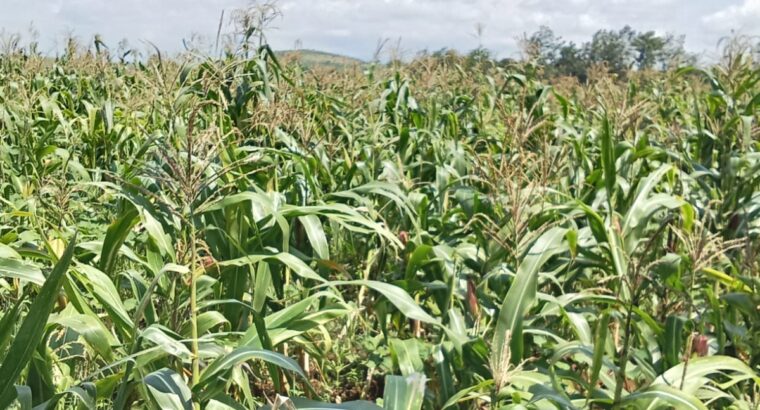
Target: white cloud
354, 27
588, 22
736, 17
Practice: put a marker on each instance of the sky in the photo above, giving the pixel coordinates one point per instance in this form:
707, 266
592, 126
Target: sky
354, 27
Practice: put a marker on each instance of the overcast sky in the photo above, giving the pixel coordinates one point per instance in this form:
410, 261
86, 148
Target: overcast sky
353, 27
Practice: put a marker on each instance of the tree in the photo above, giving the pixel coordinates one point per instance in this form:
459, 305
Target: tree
674, 54
557, 57
620, 50
649, 49
478, 57
571, 62
542, 46
612, 48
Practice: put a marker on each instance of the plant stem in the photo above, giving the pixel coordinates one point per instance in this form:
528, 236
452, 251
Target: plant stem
624, 355
637, 288
194, 302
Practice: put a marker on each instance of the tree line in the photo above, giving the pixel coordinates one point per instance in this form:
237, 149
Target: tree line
619, 51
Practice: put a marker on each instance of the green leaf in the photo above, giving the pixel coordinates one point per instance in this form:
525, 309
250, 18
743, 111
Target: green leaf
417, 259
521, 296
85, 393
407, 355
229, 404
157, 234
294, 320
699, 368
306, 404
600, 341
348, 218
607, 151
8, 322
243, 354
672, 339
24, 397
296, 265
206, 322
675, 398
166, 343
396, 296
261, 287
115, 236
8, 252
467, 394
445, 376
168, 389
103, 289
306, 323
316, 235
32, 330
404, 393
580, 326
91, 329
18, 269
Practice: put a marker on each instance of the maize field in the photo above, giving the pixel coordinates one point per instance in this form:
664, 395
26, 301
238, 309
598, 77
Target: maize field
242, 232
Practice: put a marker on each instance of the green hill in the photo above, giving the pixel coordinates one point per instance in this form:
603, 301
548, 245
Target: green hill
314, 58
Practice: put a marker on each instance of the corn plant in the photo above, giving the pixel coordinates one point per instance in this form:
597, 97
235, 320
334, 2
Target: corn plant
243, 232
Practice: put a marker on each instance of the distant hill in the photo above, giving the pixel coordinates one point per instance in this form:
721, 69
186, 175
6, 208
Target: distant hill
314, 58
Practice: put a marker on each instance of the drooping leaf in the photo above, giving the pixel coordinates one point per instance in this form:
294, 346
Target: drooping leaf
18, 269
699, 368
91, 330
169, 390
32, 329
521, 296
396, 296
244, 354
669, 397
115, 236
